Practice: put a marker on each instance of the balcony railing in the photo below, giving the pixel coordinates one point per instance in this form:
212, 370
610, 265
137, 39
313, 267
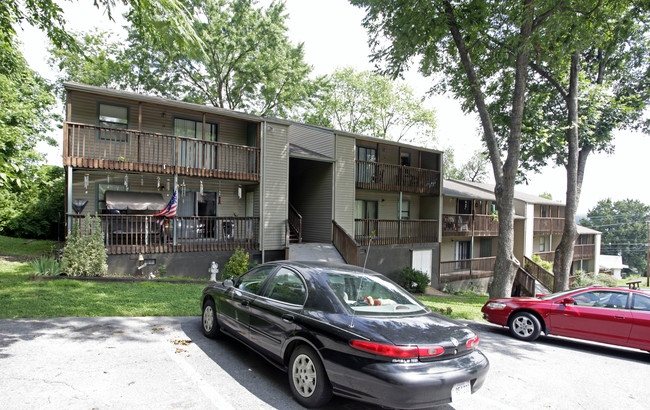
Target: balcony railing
397, 231
132, 234
397, 178
546, 226
469, 225
345, 244
90, 146
465, 269
580, 252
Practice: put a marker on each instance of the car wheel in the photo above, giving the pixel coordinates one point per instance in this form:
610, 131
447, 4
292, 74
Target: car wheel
307, 378
209, 320
525, 326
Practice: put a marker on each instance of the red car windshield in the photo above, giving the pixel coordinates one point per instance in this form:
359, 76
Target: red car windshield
559, 294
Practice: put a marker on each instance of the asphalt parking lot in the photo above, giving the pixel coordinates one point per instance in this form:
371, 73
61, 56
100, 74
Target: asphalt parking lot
166, 363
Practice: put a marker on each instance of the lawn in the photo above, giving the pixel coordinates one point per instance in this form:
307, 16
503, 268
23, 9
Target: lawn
23, 297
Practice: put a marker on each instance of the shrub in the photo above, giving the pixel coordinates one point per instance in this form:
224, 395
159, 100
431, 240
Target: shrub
236, 265
84, 253
46, 266
588, 279
541, 262
413, 280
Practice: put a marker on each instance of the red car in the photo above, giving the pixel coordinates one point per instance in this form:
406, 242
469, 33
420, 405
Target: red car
606, 315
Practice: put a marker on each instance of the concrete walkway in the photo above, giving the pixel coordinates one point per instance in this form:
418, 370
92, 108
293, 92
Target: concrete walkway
321, 252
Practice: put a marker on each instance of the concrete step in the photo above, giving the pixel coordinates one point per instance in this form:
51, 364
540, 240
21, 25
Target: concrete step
323, 252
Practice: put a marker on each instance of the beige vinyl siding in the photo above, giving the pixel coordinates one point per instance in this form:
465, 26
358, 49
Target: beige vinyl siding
344, 184
275, 188
313, 139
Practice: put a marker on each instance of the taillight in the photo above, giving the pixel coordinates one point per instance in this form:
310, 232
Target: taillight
472, 343
400, 352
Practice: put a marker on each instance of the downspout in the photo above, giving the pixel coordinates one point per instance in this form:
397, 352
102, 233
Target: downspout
263, 187
68, 212
174, 190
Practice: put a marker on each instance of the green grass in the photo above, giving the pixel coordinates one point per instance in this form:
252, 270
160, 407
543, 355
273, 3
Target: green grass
27, 247
457, 306
22, 297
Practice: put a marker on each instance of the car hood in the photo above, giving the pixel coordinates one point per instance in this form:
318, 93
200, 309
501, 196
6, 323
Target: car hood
429, 328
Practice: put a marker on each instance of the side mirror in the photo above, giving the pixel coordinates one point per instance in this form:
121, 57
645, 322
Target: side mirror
567, 301
228, 283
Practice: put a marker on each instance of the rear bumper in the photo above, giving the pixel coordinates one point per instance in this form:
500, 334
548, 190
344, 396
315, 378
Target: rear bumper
411, 386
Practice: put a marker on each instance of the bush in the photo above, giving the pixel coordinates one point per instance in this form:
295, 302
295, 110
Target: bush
413, 280
84, 253
236, 265
541, 262
587, 279
46, 266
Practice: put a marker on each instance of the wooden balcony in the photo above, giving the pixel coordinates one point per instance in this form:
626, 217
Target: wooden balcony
89, 146
397, 178
547, 226
395, 231
580, 252
466, 269
469, 225
133, 234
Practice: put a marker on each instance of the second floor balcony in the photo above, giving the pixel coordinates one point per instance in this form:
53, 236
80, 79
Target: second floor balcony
94, 147
395, 231
548, 225
469, 225
397, 178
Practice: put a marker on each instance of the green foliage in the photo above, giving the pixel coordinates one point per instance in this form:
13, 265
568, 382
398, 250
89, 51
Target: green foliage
36, 210
541, 262
84, 253
476, 169
372, 104
413, 280
624, 229
46, 265
236, 265
587, 279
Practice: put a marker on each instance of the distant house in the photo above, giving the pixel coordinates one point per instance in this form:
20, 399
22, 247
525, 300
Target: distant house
612, 264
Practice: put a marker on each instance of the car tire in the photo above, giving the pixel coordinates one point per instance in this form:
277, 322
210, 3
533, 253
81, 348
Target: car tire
209, 322
307, 378
525, 326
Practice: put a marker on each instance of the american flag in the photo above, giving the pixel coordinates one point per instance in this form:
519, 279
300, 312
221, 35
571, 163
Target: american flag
170, 210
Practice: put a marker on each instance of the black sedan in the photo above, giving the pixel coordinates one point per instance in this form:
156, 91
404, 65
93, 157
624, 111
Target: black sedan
341, 330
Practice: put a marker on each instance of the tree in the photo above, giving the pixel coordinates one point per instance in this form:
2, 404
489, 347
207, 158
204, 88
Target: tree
603, 63
624, 229
247, 62
372, 104
460, 40
26, 116
474, 170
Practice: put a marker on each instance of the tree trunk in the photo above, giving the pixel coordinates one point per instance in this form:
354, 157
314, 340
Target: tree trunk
505, 266
564, 252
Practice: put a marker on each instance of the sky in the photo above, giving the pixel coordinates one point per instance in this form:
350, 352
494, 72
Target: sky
334, 38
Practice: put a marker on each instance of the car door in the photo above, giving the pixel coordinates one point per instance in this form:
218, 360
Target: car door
273, 315
640, 334
234, 307
598, 315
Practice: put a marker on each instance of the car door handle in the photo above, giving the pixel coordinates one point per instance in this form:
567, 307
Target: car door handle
288, 318
619, 317
245, 302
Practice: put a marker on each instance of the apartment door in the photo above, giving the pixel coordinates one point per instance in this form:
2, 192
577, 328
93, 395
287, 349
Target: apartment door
366, 213
366, 172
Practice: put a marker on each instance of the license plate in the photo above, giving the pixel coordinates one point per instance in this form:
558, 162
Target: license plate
460, 391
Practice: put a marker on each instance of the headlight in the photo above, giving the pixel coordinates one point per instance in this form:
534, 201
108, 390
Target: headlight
497, 306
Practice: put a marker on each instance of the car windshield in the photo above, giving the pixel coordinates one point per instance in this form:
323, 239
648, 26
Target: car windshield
371, 294
559, 294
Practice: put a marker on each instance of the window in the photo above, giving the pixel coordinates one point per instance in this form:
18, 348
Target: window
463, 250
542, 244
113, 116
286, 286
194, 129
365, 209
253, 280
406, 209
640, 302
367, 154
405, 159
464, 206
599, 298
